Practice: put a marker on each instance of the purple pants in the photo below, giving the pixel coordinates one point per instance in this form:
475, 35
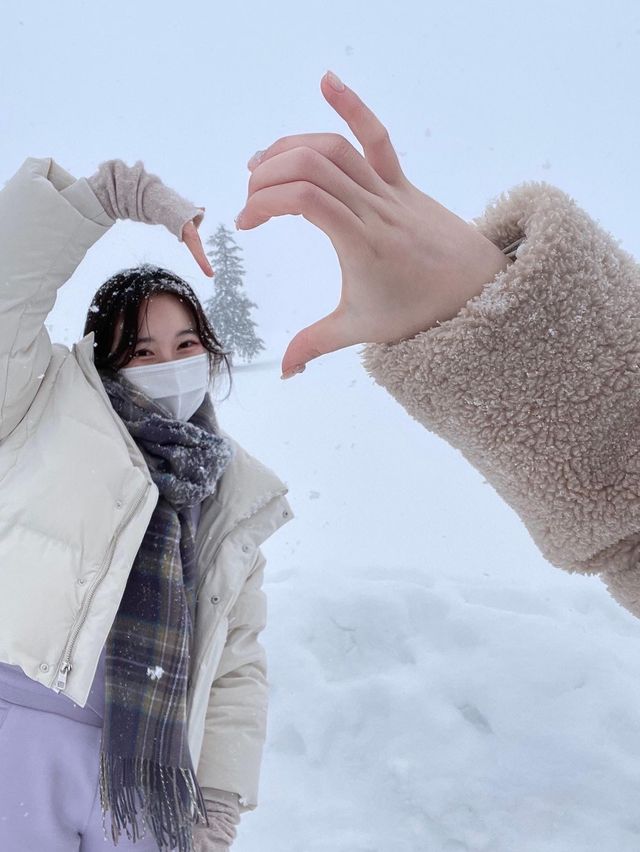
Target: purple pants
49, 795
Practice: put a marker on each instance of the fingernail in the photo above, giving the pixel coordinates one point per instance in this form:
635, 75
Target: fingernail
335, 82
238, 219
255, 160
294, 371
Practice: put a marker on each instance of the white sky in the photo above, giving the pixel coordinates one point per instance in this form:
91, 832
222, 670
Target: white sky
478, 96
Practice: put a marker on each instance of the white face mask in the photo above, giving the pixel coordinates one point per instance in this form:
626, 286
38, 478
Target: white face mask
179, 386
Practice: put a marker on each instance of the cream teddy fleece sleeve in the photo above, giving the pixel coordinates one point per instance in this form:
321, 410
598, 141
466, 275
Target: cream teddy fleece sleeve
537, 382
130, 192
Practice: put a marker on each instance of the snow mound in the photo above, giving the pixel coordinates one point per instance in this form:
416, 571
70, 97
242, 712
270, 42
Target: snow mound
436, 686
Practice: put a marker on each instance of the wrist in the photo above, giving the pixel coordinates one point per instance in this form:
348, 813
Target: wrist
481, 262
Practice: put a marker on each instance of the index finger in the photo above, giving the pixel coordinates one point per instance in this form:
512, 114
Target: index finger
191, 239
333, 147
365, 126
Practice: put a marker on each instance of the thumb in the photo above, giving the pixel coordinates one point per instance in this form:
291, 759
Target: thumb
325, 335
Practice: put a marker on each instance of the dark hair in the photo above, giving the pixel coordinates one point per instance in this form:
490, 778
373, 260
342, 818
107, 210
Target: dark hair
121, 297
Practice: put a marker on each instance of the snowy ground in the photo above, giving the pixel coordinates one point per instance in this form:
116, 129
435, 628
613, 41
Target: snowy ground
436, 685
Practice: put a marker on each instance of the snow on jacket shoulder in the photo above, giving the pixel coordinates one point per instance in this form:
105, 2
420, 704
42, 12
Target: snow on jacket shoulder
537, 382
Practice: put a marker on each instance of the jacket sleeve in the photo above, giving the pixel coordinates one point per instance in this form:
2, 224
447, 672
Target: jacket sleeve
537, 382
235, 724
48, 221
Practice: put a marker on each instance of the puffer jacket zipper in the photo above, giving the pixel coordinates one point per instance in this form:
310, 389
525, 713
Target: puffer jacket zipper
65, 665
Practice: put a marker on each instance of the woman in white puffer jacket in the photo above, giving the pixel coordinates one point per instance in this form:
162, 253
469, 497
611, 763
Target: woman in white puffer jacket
132, 681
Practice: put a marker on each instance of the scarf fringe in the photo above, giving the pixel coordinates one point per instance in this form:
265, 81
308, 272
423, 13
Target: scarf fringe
171, 801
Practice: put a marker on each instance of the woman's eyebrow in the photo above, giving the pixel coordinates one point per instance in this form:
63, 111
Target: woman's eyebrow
179, 334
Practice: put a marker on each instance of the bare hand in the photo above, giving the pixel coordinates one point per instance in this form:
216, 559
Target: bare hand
406, 261
191, 238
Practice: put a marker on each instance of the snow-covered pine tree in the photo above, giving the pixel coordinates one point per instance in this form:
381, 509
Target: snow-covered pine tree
229, 309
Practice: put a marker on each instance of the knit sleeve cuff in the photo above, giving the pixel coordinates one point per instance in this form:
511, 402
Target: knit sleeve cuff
130, 192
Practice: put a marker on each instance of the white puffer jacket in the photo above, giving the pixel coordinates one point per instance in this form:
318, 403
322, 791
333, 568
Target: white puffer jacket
76, 498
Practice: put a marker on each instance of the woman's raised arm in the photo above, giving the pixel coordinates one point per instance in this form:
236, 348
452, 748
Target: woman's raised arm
48, 222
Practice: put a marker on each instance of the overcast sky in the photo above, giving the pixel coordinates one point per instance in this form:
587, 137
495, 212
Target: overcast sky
478, 96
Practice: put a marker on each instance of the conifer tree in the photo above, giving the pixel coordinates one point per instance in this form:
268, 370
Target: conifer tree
229, 308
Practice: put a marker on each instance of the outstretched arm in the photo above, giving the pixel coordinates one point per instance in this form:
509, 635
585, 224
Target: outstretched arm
530, 368
407, 262
537, 382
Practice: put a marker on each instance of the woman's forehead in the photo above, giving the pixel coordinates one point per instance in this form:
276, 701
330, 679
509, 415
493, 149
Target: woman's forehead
165, 307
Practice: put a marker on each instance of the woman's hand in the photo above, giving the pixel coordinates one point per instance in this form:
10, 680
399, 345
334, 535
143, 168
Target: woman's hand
203, 841
223, 813
407, 262
131, 192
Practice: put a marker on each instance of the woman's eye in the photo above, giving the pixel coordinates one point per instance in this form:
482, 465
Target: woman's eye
187, 344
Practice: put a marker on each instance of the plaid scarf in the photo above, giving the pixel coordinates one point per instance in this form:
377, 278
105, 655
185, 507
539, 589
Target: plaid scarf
145, 763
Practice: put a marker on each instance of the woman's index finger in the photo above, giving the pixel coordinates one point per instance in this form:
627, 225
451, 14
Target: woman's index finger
365, 126
191, 238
